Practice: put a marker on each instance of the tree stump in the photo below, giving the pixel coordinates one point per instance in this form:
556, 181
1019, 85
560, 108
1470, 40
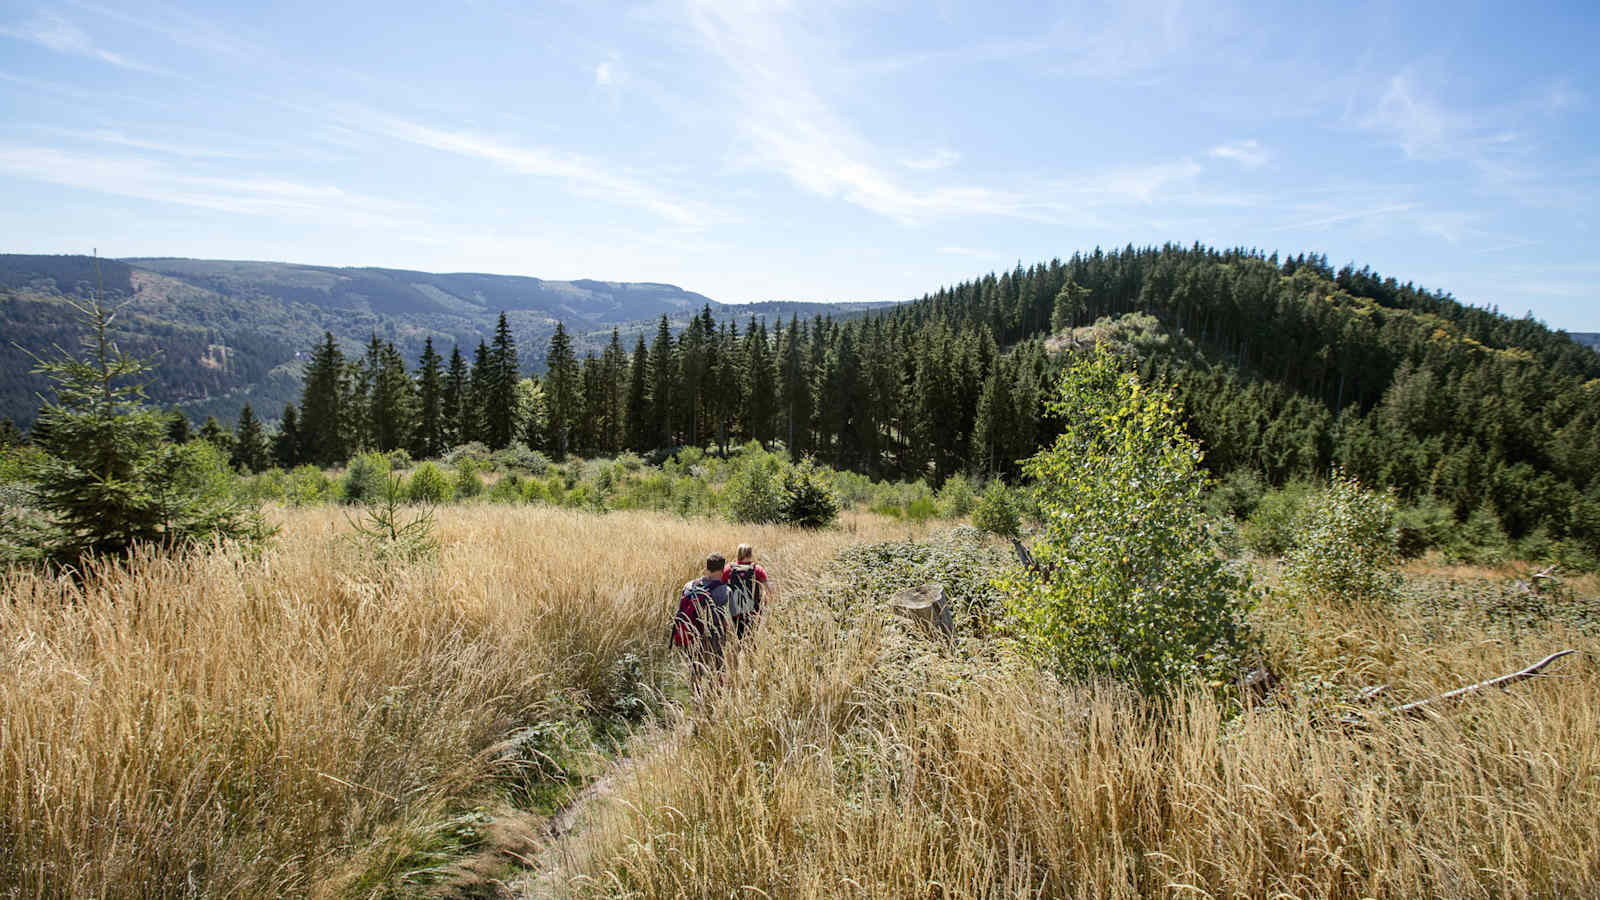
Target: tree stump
927, 606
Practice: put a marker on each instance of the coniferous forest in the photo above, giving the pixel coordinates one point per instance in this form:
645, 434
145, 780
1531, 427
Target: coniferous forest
1285, 369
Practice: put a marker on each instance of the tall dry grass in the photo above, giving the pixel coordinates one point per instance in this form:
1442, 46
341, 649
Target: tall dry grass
849, 758
223, 725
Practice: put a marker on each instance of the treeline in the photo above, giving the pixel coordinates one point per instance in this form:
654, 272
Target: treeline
1286, 369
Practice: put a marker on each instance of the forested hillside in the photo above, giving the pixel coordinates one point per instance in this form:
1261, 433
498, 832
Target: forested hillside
1285, 368
233, 332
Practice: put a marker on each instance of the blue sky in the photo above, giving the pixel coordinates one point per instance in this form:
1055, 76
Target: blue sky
811, 150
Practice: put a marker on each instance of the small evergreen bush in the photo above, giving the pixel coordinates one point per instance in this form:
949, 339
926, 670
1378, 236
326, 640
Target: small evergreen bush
956, 497
430, 485
469, 483
755, 493
996, 512
1270, 530
808, 500
364, 478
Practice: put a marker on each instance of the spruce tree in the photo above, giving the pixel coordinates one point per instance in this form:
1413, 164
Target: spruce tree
500, 407
639, 417
614, 368
104, 476
762, 405
475, 408
322, 432
214, 434
394, 402
561, 393
177, 426
250, 442
427, 440
287, 449
454, 415
663, 386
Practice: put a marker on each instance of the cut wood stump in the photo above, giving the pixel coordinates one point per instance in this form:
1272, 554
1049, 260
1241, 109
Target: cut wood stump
927, 606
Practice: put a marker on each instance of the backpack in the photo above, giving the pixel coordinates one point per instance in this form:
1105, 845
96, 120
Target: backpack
745, 590
696, 607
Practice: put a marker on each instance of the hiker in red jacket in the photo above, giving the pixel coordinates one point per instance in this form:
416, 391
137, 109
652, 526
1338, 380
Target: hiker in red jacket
747, 585
700, 626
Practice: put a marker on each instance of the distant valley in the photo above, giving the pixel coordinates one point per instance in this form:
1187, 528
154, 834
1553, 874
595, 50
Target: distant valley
231, 332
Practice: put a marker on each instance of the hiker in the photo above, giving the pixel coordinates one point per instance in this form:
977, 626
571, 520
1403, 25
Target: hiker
701, 625
747, 585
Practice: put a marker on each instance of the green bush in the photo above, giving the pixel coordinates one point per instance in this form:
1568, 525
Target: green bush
398, 460
808, 500
996, 512
755, 491
1422, 526
308, 485
469, 483
1136, 590
506, 490
429, 484
1237, 495
1480, 539
921, 509
518, 458
956, 497
1270, 529
364, 478
1345, 546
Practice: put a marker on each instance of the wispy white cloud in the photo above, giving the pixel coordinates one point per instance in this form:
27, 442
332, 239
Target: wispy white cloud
605, 74
1408, 113
158, 181
576, 170
1348, 216
942, 158
967, 251
51, 31
1247, 153
187, 150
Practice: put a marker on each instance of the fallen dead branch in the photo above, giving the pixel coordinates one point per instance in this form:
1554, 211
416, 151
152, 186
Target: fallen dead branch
1422, 707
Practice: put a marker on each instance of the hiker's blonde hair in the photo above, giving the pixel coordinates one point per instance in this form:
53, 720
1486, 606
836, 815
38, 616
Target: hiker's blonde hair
746, 552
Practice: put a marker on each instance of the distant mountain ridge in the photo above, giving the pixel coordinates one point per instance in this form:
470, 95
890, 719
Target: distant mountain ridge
234, 331
1589, 338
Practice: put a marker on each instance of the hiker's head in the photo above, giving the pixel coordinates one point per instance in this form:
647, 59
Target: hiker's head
715, 563
746, 553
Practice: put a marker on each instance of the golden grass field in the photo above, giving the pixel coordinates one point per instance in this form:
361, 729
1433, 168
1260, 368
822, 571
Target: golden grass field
288, 725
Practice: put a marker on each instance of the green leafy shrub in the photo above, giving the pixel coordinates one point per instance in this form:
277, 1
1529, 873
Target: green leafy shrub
473, 450
506, 490
1422, 526
518, 458
1270, 529
956, 497
469, 484
755, 492
429, 484
1346, 545
398, 459
1135, 589
996, 512
364, 478
1480, 539
1237, 495
307, 485
921, 509
808, 500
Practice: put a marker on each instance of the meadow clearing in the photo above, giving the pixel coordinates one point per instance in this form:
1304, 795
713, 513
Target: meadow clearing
316, 720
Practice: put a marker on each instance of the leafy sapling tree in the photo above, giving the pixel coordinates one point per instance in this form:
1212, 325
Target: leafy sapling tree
1345, 546
105, 476
1130, 586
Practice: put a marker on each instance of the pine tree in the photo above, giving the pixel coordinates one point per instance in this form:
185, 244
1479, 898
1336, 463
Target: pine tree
762, 406
794, 390
428, 440
663, 386
454, 416
614, 365
500, 408
177, 426
104, 476
394, 402
287, 448
639, 416
322, 433
561, 393
250, 442
214, 434
475, 408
